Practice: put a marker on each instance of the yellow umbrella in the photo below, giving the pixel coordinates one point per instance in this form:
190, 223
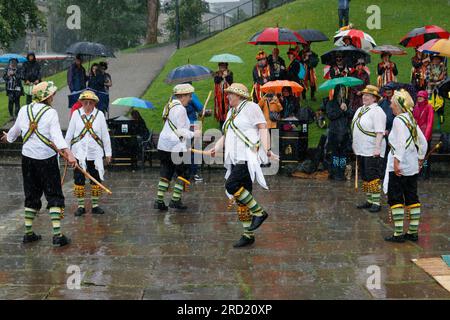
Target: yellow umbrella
437, 46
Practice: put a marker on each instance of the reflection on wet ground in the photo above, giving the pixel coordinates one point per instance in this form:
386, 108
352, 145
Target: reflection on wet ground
315, 245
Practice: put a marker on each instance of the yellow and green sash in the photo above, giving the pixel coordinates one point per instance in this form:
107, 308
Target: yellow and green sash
172, 126
357, 122
33, 126
88, 127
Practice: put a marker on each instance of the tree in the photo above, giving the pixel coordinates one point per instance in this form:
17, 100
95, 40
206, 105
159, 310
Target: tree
16, 17
191, 12
116, 23
152, 21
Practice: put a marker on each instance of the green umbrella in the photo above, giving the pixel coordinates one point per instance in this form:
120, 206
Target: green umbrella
226, 57
133, 102
345, 81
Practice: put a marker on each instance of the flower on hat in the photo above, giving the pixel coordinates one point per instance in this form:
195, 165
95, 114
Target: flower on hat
184, 88
43, 91
88, 95
238, 89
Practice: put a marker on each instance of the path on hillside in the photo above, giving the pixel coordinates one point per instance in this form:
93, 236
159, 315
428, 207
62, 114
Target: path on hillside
131, 74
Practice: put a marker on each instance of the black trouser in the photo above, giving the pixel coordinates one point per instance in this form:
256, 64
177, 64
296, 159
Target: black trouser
343, 17
313, 91
168, 168
402, 190
80, 179
42, 177
13, 101
239, 177
371, 168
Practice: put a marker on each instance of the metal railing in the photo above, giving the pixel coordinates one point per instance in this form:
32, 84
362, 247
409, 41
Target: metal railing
230, 18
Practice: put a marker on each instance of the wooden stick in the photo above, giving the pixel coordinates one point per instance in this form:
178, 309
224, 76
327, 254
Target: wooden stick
356, 174
433, 150
204, 106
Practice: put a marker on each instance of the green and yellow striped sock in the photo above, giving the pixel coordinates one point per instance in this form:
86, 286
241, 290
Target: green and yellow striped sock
246, 198
398, 213
30, 214
246, 225
163, 186
414, 218
96, 192
55, 215
178, 188
376, 198
369, 197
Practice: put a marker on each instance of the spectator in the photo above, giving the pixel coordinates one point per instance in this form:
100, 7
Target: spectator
97, 78
271, 107
289, 103
387, 70
262, 73
142, 131
223, 78
31, 75
355, 92
343, 12
76, 75
310, 61
13, 87
108, 79
277, 64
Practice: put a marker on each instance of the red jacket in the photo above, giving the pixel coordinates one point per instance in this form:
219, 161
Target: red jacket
424, 115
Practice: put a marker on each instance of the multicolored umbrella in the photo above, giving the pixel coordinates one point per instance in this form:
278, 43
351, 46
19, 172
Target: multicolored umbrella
312, 35
226, 57
276, 36
436, 46
419, 36
344, 81
6, 57
133, 102
393, 50
188, 73
278, 85
360, 39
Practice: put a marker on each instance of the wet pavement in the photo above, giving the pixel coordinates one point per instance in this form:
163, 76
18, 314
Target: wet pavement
315, 245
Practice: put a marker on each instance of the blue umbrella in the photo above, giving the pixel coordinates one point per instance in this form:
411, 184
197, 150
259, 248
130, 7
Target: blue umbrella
188, 73
6, 57
133, 102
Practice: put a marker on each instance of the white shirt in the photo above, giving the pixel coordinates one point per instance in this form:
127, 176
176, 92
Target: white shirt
408, 156
48, 126
372, 120
236, 150
169, 140
87, 148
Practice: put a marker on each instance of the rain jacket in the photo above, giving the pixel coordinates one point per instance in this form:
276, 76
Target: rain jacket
31, 70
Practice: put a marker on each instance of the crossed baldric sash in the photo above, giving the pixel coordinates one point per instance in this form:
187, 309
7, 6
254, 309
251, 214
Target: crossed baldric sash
88, 123
33, 127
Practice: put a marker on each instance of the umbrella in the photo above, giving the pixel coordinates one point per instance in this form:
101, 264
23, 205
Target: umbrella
359, 38
345, 81
276, 36
312, 35
277, 86
444, 89
436, 46
349, 53
226, 57
91, 49
419, 36
188, 73
103, 97
390, 49
133, 102
6, 57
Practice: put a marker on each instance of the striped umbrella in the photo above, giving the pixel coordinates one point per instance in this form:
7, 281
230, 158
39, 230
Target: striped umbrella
419, 36
436, 46
360, 39
277, 36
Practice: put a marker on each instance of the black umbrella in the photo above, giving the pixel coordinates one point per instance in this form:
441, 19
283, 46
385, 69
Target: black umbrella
188, 73
407, 86
312, 35
350, 54
444, 89
91, 49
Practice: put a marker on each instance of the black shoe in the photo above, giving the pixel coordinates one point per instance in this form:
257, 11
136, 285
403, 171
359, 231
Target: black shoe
375, 208
160, 205
257, 221
411, 237
80, 211
244, 241
98, 210
177, 205
60, 241
398, 239
365, 205
28, 238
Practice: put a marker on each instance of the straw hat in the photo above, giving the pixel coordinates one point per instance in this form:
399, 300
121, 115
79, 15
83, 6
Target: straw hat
403, 99
373, 90
238, 89
184, 88
88, 95
44, 90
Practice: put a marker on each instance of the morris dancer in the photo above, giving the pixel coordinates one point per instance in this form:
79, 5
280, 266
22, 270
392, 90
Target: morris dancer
172, 143
408, 150
368, 128
89, 139
247, 144
38, 124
